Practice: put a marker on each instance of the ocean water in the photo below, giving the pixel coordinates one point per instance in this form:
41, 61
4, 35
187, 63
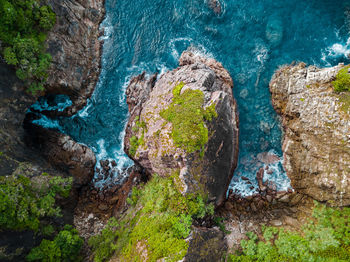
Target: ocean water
250, 38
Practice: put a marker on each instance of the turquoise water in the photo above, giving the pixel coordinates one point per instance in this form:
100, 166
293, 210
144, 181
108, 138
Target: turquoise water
250, 38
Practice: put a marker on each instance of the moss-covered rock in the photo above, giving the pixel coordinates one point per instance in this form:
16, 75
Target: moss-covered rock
185, 122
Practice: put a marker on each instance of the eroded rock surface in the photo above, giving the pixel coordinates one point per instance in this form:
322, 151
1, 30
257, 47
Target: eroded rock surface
75, 49
316, 145
208, 172
63, 152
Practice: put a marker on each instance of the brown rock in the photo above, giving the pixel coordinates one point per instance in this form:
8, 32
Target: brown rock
75, 49
147, 98
316, 144
228, 205
103, 207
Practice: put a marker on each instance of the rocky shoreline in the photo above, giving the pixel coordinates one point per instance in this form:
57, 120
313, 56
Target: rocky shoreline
316, 144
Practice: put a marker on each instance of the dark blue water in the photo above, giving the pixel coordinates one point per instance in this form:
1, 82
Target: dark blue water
251, 39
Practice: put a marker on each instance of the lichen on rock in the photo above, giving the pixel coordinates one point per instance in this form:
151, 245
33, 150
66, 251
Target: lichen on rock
190, 125
316, 144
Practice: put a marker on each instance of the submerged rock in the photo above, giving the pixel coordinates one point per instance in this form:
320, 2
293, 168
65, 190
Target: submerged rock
185, 124
215, 5
316, 144
274, 31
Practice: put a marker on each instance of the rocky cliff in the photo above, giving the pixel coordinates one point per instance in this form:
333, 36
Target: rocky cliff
75, 49
185, 124
316, 121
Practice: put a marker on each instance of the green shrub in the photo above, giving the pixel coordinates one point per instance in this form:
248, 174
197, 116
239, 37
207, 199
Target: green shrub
23, 30
342, 81
161, 220
24, 202
325, 239
187, 115
65, 247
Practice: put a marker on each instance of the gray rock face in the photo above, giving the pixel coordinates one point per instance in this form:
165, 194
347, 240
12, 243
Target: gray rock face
75, 49
63, 153
209, 174
316, 145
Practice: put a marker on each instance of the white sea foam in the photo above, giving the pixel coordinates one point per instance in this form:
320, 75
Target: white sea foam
336, 50
275, 173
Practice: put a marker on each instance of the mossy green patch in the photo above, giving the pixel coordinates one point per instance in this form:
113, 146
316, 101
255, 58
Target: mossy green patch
342, 80
160, 220
187, 115
326, 238
345, 102
135, 142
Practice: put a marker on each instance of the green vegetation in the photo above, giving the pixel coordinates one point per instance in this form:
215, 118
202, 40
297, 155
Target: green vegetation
23, 30
23, 202
326, 238
134, 141
65, 247
345, 102
160, 221
342, 81
187, 115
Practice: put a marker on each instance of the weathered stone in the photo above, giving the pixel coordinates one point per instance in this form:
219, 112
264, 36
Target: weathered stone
75, 49
62, 152
103, 207
276, 223
316, 143
206, 245
209, 174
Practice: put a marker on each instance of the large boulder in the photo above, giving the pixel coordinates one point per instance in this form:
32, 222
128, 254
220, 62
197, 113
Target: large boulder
316, 144
185, 124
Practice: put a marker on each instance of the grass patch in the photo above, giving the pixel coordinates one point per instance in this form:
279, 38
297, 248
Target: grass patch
160, 219
325, 238
135, 142
342, 80
187, 115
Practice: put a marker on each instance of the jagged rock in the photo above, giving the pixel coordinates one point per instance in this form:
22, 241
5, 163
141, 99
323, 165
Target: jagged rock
75, 49
210, 173
316, 143
62, 152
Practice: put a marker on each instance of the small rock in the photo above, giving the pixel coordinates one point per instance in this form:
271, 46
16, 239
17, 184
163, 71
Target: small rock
269, 198
253, 207
276, 223
296, 199
284, 199
113, 163
103, 207
291, 222
244, 178
228, 205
